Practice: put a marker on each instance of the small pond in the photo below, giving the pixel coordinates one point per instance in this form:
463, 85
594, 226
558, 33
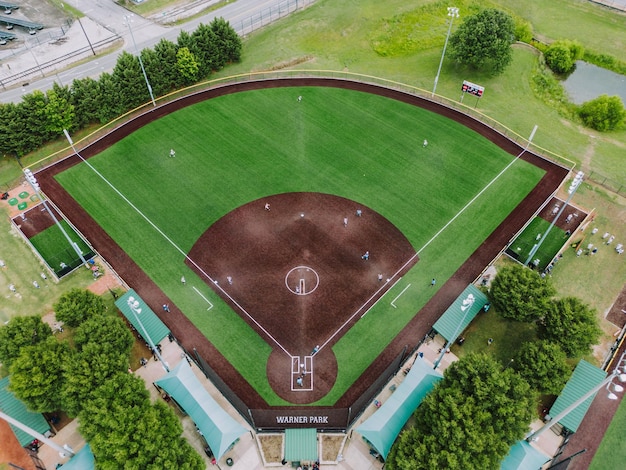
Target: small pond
590, 81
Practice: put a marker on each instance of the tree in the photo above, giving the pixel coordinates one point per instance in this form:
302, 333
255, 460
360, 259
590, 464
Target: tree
228, 42
605, 113
165, 52
571, 324
187, 66
145, 435
85, 97
37, 375
77, 305
543, 365
110, 105
204, 48
484, 41
110, 332
469, 420
520, 293
561, 56
20, 332
59, 113
130, 82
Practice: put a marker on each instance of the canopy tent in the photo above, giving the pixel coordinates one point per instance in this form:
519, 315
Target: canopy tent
300, 444
382, 428
523, 456
584, 379
219, 430
83, 460
17, 410
460, 313
141, 315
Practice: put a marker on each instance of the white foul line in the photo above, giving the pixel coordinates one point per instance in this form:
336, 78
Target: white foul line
398, 296
206, 300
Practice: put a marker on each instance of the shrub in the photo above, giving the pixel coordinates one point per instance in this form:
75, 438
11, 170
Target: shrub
605, 113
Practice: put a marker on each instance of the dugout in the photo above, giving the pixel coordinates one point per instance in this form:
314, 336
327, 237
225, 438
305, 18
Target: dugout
523, 456
217, 427
461, 313
381, 429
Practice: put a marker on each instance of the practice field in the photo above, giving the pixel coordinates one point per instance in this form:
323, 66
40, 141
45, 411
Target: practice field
446, 199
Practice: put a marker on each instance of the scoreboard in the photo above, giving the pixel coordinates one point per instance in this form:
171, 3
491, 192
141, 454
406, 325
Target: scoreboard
472, 88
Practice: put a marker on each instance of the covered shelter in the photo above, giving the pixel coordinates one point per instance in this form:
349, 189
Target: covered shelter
219, 429
524, 456
16, 409
301, 444
585, 377
142, 317
461, 313
382, 428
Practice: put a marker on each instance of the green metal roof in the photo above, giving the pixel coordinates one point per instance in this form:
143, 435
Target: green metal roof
300, 444
17, 410
153, 324
83, 460
460, 314
524, 456
382, 428
219, 429
584, 378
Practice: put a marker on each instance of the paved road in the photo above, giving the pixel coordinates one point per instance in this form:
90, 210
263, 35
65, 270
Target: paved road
146, 34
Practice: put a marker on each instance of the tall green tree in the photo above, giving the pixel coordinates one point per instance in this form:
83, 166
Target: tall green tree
110, 332
59, 113
130, 81
571, 324
484, 41
165, 52
20, 332
543, 365
109, 92
78, 305
469, 421
37, 375
187, 66
520, 293
144, 435
86, 99
228, 43
205, 50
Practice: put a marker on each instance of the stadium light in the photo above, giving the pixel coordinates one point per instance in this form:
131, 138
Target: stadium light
453, 12
619, 372
32, 180
133, 305
128, 21
576, 182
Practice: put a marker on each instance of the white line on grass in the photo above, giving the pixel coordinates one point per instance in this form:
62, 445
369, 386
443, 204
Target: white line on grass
171, 242
398, 296
206, 300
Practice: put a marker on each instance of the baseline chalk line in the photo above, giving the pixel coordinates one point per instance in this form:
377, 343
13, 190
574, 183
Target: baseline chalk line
398, 296
205, 299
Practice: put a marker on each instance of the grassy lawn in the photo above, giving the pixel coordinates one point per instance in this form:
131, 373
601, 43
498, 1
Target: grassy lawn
339, 142
54, 247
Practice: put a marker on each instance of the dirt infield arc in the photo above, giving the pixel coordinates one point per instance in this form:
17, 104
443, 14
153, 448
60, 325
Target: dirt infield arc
191, 338
306, 243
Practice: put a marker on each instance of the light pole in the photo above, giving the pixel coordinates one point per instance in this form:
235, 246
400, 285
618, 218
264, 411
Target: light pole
618, 372
578, 179
453, 12
128, 19
133, 304
33, 184
466, 306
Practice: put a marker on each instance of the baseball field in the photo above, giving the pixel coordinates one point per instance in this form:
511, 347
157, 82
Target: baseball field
263, 287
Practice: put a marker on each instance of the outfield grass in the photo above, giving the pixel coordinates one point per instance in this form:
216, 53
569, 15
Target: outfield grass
239, 148
612, 451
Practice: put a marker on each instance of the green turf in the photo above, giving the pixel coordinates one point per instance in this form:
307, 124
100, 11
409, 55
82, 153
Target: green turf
550, 246
54, 247
612, 451
238, 148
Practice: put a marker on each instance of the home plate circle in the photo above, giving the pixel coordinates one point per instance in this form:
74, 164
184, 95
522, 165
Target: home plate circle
302, 280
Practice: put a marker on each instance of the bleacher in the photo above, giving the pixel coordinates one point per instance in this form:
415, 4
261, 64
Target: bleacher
8, 7
10, 22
